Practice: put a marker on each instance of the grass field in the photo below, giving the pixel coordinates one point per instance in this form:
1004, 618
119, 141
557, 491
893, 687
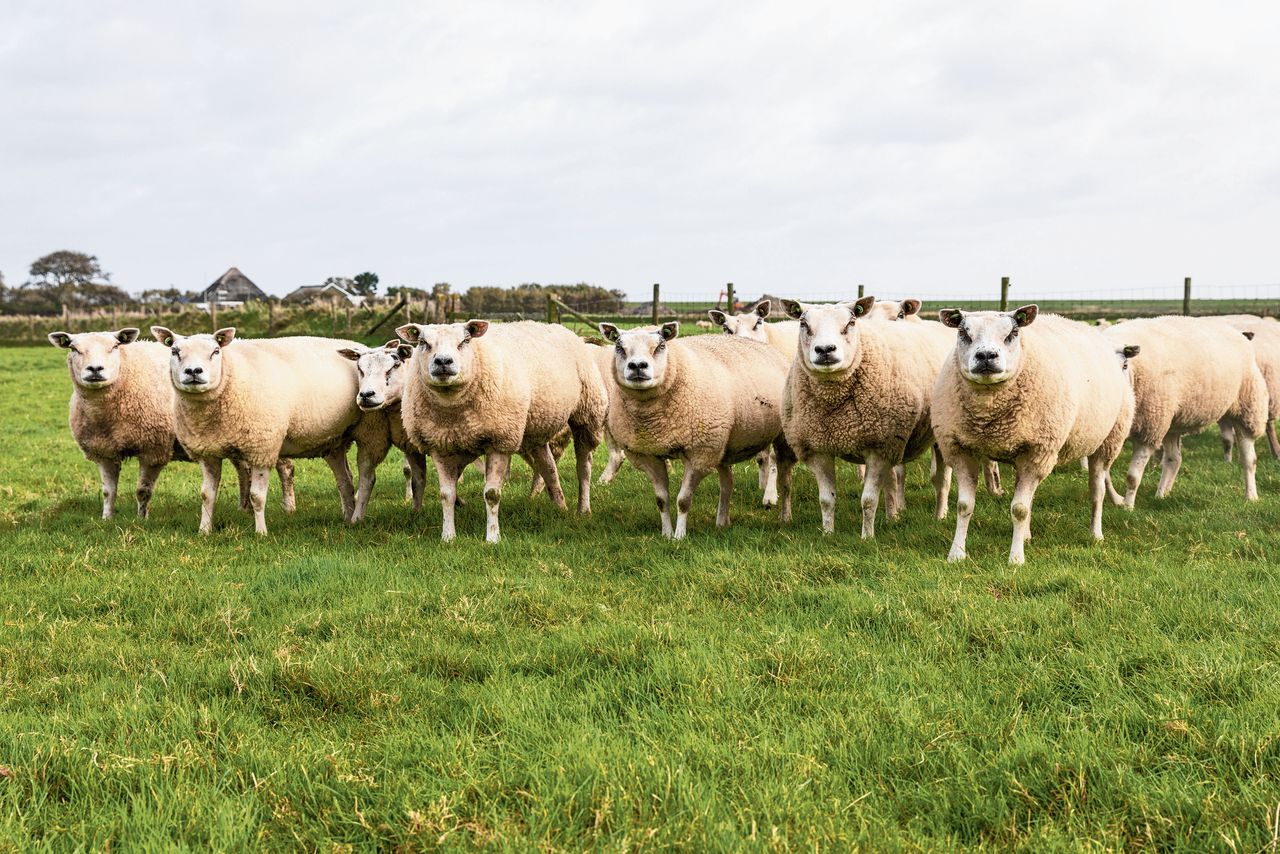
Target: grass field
586, 684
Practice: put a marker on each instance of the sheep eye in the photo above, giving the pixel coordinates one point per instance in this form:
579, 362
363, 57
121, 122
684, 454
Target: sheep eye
804, 326
215, 352
758, 322
902, 315
1012, 335
117, 347
174, 351
662, 345
389, 370
73, 349
964, 336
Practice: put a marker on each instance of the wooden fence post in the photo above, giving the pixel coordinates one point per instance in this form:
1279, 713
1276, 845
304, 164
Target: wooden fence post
655, 303
271, 318
1186, 296
729, 299
1004, 293
213, 313
862, 290
66, 317
348, 319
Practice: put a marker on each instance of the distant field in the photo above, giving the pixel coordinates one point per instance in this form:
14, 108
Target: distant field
586, 684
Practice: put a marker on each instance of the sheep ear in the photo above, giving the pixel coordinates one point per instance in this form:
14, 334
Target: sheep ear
393, 344
348, 353
793, 308
862, 306
404, 351
163, 335
410, 332
952, 317
60, 339
477, 328
717, 316
1026, 315
1131, 350
609, 331
911, 306
669, 330
128, 335
1248, 335
761, 308
225, 336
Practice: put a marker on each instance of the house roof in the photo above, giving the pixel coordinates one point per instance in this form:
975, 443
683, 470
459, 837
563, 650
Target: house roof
237, 285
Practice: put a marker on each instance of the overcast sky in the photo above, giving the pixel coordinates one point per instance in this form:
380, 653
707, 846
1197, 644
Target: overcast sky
926, 147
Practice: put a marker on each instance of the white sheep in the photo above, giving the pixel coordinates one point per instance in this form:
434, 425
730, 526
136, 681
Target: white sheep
782, 336
711, 400
258, 401
1032, 393
498, 390
122, 406
1266, 348
1194, 372
859, 390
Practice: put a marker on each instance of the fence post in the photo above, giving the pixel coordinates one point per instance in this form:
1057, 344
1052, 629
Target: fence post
1004, 293
655, 303
551, 309
1186, 297
348, 319
271, 318
213, 313
862, 291
728, 293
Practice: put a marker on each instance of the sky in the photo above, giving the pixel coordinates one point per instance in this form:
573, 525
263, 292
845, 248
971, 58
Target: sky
795, 148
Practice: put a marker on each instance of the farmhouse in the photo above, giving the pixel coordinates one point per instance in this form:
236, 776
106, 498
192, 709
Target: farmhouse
328, 290
232, 289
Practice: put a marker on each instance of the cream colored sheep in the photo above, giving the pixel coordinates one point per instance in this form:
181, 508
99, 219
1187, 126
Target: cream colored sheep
496, 391
859, 390
782, 336
603, 357
1032, 393
1194, 372
945, 338
711, 400
1266, 348
258, 401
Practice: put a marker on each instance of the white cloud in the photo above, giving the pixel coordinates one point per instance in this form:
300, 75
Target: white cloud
806, 147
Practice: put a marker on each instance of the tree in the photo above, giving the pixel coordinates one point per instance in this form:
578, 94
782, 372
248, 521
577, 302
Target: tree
71, 278
366, 284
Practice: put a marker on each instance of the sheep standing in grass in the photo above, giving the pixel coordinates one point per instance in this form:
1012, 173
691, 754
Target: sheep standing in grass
710, 400
1032, 396
381, 374
603, 357
859, 391
121, 407
258, 401
783, 337
1266, 348
1194, 372
499, 390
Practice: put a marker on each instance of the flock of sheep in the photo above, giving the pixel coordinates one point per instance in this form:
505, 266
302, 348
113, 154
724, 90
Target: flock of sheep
866, 382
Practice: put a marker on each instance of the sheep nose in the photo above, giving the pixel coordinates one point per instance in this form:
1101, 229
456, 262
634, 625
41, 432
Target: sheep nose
95, 369
443, 361
365, 395
637, 365
824, 349
985, 355
195, 372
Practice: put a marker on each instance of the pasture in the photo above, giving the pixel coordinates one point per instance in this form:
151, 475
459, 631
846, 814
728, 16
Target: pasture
587, 684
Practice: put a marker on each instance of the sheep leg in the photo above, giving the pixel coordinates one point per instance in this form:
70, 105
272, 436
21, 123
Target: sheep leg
1248, 463
337, 461
824, 471
991, 478
1027, 478
449, 471
940, 474
768, 477
147, 475
1137, 465
1227, 431
545, 467
786, 460
584, 446
658, 474
1098, 480
537, 484
496, 466
895, 491
726, 491
416, 485
693, 476
284, 471
1170, 462
259, 479
966, 469
367, 471
879, 476
616, 457
862, 470
109, 471
407, 471
1272, 440
242, 479
212, 475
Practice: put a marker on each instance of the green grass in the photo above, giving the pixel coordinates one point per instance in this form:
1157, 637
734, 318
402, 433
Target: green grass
586, 684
